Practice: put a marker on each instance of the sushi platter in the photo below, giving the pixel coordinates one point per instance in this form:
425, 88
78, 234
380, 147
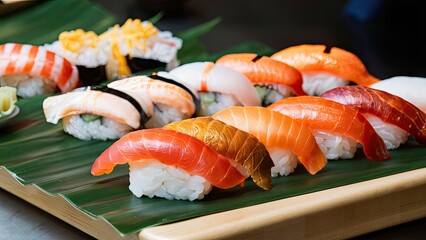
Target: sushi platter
143, 141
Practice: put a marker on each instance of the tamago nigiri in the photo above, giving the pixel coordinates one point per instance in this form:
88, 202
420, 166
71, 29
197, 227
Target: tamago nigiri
337, 128
229, 141
393, 118
169, 164
288, 141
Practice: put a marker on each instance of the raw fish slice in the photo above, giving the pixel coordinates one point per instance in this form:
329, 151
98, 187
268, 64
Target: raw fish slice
276, 130
412, 89
318, 59
35, 61
170, 148
210, 77
388, 107
231, 142
264, 70
326, 115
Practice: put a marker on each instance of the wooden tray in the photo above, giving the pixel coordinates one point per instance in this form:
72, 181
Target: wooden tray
336, 213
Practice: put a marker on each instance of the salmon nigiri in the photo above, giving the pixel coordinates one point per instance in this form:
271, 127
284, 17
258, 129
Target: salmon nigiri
274, 80
336, 127
169, 164
33, 70
392, 117
286, 139
229, 141
324, 68
218, 86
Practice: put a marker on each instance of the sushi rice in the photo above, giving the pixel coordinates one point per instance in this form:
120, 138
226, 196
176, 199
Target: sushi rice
335, 146
28, 86
154, 179
88, 127
318, 83
392, 135
271, 93
212, 102
284, 162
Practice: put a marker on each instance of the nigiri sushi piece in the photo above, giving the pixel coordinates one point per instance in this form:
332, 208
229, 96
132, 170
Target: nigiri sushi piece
33, 70
96, 112
231, 142
412, 89
393, 118
218, 86
83, 49
139, 45
288, 141
169, 164
273, 80
337, 127
324, 68
170, 102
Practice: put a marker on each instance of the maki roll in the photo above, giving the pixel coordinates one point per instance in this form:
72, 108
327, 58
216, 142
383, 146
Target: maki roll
169, 164
8, 100
138, 45
273, 80
84, 50
324, 68
33, 70
218, 86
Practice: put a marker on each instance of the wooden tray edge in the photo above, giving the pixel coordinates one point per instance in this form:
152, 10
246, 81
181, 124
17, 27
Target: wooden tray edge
60, 208
337, 213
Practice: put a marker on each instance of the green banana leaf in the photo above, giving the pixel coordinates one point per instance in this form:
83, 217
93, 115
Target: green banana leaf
40, 153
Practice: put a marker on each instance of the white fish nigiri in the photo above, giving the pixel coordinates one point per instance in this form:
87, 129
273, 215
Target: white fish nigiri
219, 86
412, 89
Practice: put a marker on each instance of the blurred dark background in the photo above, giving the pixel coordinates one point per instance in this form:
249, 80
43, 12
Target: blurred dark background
385, 34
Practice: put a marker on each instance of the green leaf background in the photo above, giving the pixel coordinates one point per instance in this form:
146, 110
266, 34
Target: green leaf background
40, 153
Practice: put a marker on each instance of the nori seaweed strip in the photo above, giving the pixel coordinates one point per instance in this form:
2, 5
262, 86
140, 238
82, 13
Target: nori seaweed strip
256, 58
144, 116
92, 76
140, 64
171, 81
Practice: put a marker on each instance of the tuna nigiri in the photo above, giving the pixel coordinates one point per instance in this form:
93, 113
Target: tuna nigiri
392, 117
286, 139
169, 164
325, 68
273, 80
229, 141
412, 89
34, 70
336, 127
219, 86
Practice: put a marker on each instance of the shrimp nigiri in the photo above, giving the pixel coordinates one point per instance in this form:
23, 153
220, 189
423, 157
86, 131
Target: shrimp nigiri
336, 127
324, 68
219, 86
273, 80
229, 141
169, 164
33, 70
392, 117
286, 139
